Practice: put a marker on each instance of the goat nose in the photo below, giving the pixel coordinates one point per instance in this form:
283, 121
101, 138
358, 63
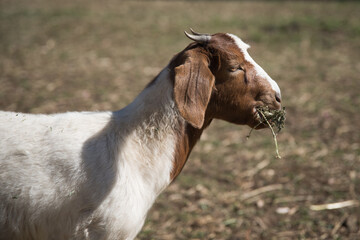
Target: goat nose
278, 97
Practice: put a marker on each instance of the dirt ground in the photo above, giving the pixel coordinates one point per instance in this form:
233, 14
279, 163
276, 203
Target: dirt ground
60, 56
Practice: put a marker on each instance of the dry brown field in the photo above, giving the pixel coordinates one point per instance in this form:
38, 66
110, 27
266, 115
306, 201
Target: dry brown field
58, 56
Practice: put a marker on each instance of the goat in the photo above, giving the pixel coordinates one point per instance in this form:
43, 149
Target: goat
95, 175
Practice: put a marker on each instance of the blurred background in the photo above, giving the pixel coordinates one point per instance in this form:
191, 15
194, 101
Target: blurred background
82, 55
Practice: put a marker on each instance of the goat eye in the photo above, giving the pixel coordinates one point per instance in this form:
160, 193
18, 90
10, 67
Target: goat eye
234, 69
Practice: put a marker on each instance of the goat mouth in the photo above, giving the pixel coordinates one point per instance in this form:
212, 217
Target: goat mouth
269, 117
257, 121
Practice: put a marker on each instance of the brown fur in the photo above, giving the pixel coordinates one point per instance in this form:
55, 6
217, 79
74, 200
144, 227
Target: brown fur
207, 87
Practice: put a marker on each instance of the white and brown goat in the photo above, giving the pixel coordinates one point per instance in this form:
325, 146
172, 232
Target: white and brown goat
95, 175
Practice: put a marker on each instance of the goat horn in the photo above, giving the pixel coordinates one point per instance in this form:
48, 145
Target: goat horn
198, 34
198, 38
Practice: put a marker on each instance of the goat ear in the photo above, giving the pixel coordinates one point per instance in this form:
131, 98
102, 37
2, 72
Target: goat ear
192, 89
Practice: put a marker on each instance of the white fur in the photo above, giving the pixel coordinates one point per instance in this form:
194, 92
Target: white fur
259, 70
86, 175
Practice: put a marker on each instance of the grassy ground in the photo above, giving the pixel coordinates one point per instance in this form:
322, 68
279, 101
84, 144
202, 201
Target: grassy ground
98, 55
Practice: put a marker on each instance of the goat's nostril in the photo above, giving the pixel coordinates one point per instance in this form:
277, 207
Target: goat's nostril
278, 97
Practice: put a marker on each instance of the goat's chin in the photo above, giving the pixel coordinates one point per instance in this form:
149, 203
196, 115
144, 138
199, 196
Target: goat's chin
257, 125
255, 121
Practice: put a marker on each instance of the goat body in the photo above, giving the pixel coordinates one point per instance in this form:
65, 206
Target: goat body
85, 172
95, 175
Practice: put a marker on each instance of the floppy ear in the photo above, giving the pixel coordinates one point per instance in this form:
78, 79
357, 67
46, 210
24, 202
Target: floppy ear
192, 88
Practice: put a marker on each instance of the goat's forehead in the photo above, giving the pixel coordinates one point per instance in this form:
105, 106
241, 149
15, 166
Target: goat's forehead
240, 43
243, 47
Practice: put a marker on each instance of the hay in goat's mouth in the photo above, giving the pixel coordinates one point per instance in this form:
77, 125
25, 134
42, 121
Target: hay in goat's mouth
273, 118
